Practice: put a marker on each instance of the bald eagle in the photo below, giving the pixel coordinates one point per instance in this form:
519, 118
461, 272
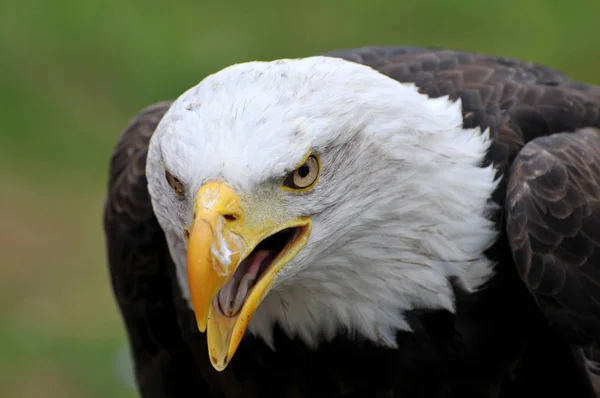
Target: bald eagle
376, 222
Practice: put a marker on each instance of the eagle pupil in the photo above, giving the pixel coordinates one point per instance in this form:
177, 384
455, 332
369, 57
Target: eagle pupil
303, 171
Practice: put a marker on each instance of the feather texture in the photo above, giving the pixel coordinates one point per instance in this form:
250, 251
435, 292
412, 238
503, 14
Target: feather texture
497, 343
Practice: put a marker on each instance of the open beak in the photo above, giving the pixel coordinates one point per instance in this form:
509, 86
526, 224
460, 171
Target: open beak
232, 262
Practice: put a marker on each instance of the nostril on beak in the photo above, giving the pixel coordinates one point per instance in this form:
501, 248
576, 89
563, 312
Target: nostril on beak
186, 233
230, 217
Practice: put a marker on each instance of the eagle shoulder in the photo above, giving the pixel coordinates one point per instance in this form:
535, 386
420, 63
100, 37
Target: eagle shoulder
545, 129
553, 226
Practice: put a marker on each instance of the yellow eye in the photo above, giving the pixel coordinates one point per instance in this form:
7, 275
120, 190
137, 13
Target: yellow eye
174, 183
305, 176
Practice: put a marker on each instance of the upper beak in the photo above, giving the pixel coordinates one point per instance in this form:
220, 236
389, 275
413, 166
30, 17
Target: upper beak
221, 238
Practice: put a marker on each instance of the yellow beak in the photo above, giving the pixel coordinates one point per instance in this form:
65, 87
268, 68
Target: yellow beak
228, 275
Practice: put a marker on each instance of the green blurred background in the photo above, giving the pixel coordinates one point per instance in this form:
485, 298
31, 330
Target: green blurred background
73, 72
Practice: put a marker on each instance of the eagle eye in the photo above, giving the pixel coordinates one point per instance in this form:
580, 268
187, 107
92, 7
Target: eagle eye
174, 183
305, 176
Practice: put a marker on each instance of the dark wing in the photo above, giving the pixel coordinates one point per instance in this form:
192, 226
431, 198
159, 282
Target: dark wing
141, 269
553, 226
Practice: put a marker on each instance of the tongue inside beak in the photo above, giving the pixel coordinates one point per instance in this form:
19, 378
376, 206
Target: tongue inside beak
232, 296
234, 304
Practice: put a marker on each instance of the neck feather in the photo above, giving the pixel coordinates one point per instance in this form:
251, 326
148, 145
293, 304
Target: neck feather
429, 223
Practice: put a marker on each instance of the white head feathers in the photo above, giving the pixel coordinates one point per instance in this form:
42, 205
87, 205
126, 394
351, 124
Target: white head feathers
401, 204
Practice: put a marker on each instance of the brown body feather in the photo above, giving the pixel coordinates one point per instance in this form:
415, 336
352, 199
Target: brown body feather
531, 332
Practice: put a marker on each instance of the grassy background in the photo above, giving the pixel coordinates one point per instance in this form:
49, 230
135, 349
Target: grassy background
73, 72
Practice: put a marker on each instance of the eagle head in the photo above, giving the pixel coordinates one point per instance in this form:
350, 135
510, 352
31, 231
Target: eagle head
321, 195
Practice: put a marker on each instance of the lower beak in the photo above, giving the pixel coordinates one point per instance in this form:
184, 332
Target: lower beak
228, 275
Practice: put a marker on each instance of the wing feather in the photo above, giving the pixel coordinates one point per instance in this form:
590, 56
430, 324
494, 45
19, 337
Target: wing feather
553, 226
